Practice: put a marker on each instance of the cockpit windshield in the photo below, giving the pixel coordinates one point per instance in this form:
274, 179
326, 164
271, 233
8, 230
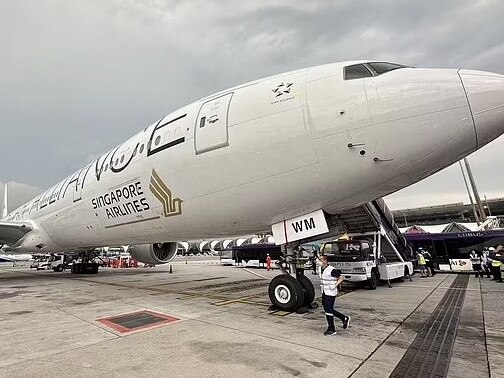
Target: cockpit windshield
383, 67
362, 70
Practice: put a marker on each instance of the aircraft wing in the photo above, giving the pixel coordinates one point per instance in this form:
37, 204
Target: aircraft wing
12, 232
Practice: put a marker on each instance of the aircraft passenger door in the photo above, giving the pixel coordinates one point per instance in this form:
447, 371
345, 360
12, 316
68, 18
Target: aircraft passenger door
211, 130
77, 193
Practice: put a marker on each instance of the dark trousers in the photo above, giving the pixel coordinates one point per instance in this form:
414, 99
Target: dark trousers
497, 273
330, 312
477, 270
430, 265
487, 269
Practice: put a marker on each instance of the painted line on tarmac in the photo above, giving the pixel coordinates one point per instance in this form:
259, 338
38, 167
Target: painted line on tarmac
229, 301
280, 313
255, 274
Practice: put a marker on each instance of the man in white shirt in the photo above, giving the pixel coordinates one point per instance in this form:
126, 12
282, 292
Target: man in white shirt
330, 279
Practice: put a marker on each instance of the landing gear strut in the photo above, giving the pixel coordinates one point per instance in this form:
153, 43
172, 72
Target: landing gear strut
85, 264
291, 290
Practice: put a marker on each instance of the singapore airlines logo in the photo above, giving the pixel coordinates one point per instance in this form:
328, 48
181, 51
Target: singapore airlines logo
171, 206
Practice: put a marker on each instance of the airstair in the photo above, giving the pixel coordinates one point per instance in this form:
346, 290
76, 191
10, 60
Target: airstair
375, 216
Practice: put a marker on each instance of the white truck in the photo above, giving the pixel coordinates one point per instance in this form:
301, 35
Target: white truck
367, 258
59, 262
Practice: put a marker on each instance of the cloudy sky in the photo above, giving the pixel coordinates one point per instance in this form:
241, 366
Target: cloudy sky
79, 77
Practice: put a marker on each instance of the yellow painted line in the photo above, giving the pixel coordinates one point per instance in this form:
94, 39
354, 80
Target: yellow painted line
222, 303
280, 313
188, 296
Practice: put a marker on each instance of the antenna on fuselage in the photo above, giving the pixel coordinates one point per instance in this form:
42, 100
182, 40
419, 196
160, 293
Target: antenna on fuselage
4, 208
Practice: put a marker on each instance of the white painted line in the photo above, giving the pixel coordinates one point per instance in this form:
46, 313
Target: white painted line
255, 274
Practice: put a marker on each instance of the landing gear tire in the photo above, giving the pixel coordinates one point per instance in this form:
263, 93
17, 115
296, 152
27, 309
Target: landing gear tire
286, 293
373, 281
308, 289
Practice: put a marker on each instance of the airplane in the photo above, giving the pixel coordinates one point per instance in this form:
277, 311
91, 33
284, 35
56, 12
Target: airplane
282, 153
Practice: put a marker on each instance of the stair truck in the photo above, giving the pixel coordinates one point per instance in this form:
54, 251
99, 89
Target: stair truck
367, 258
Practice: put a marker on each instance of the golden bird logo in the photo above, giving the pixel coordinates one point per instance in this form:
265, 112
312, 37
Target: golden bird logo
171, 206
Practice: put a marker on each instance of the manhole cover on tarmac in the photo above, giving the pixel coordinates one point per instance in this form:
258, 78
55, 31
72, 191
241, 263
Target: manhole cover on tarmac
137, 321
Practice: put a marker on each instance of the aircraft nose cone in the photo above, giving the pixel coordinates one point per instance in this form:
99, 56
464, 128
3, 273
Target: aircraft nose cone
485, 93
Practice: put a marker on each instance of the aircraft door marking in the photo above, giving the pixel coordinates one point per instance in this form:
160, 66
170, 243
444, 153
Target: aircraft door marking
211, 131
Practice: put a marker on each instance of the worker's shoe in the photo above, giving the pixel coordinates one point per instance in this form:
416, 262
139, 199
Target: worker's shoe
346, 322
330, 332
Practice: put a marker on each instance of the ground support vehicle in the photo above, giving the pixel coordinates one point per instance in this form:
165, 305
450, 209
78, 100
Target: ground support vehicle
59, 262
362, 258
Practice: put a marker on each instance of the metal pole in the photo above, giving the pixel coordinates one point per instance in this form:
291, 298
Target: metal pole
469, 194
488, 206
475, 191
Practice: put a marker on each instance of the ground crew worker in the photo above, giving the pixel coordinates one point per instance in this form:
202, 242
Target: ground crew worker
476, 263
330, 278
268, 262
486, 263
496, 268
429, 263
421, 263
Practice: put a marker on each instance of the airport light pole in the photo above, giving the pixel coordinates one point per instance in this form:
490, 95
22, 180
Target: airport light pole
475, 191
469, 194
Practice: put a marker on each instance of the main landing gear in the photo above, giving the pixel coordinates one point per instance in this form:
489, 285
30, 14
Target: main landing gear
85, 263
292, 290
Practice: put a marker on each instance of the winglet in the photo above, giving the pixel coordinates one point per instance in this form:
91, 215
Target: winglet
4, 209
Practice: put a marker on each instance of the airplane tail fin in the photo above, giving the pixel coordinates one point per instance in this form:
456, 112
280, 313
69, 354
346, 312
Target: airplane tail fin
4, 208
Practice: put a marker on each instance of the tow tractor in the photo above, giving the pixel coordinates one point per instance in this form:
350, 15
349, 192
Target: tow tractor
360, 258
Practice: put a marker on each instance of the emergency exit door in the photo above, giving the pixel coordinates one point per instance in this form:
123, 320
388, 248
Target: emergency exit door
211, 131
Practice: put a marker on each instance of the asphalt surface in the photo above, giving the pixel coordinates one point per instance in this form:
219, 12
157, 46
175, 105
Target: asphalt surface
206, 320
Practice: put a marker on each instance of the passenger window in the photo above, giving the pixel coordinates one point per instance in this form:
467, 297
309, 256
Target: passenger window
141, 149
357, 71
383, 67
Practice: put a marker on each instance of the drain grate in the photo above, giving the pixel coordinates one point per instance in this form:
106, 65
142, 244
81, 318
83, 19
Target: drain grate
135, 321
430, 353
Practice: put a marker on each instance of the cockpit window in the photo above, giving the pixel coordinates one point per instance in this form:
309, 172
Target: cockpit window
383, 67
357, 71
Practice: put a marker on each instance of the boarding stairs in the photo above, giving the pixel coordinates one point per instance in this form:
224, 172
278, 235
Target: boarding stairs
375, 216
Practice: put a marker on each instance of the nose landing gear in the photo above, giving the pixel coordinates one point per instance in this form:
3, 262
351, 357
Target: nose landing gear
291, 290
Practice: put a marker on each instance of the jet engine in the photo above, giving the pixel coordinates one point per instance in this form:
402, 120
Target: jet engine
157, 253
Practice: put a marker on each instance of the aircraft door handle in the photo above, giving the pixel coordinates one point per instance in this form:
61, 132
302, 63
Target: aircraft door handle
378, 160
350, 145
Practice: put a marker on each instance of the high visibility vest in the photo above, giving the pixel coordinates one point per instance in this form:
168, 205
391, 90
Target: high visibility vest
474, 258
328, 282
421, 260
496, 263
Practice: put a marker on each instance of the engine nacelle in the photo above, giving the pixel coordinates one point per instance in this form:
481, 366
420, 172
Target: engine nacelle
157, 253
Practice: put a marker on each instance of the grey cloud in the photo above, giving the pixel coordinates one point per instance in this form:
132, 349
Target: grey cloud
77, 78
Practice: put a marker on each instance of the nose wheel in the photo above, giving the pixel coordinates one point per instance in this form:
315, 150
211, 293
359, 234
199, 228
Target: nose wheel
286, 293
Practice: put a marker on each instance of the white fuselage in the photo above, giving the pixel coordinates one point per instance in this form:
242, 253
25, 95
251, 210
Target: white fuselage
238, 161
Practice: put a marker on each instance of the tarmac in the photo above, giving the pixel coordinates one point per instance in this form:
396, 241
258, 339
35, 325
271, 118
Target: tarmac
218, 324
